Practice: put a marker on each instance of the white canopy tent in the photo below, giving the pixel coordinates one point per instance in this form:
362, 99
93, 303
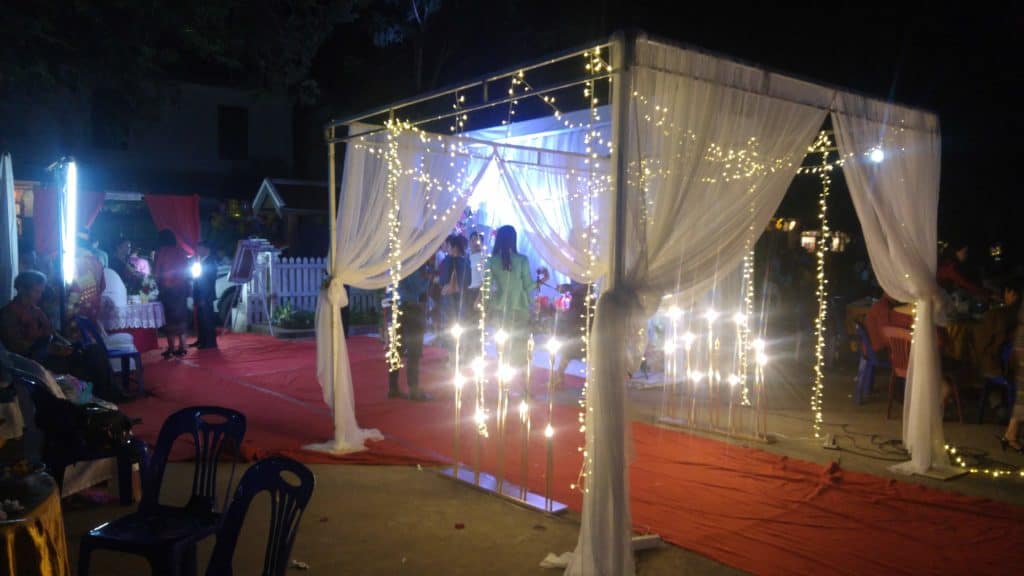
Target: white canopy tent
693, 161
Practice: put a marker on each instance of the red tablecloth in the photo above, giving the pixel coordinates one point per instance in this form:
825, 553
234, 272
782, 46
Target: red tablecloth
145, 338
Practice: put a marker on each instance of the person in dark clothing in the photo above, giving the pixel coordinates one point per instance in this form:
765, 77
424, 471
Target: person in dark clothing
204, 292
412, 294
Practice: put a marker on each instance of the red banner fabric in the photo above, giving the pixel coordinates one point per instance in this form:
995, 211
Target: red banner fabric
179, 214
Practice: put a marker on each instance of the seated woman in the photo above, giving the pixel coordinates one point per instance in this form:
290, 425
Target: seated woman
26, 330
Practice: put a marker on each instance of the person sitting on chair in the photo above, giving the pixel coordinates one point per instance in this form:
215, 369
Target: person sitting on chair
26, 330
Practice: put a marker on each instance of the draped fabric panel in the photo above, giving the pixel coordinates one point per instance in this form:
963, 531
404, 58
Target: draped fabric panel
897, 200
437, 176
45, 217
179, 214
89, 206
556, 201
708, 166
8, 231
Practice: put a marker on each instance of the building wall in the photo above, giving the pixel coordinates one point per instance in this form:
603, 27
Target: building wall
174, 150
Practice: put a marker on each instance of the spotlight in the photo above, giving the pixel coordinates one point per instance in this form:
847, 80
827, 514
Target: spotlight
456, 331
674, 312
553, 345
549, 431
500, 337
733, 379
758, 345
762, 358
739, 318
877, 155
506, 373
711, 315
460, 381
524, 409
478, 365
688, 339
197, 269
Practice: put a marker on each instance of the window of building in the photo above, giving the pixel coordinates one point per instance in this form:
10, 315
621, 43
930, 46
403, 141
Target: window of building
233, 132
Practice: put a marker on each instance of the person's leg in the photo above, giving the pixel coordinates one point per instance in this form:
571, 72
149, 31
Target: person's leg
413, 328
1012, 430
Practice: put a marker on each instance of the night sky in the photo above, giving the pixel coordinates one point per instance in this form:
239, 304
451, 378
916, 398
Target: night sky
961, 62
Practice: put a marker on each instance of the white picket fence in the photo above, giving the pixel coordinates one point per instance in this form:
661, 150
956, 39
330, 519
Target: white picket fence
294, 281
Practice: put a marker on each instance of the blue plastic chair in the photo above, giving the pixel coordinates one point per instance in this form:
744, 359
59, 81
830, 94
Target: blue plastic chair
868, 362
287, 501
91, 335
167, 535
1007, 387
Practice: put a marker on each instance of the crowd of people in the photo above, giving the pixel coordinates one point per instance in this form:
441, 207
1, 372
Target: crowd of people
993, 309
40, 321
441, 296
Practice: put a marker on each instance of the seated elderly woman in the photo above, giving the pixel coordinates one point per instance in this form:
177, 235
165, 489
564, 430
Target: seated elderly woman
26, 330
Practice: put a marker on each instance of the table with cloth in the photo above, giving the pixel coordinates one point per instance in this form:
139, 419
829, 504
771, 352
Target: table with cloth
33, 542
141, 320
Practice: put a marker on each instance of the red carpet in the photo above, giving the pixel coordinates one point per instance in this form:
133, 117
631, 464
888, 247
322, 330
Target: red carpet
743, 507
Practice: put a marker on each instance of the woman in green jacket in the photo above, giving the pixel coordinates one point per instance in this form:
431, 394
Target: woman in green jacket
510, 298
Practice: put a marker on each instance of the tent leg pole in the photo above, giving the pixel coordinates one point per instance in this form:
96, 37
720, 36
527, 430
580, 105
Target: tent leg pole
332, 217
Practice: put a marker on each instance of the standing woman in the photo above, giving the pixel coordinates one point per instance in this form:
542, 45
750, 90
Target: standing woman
170, 270
511, 285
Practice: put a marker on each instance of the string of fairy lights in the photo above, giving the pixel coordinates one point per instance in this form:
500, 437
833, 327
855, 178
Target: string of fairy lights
595, 186
824, 146
393, 355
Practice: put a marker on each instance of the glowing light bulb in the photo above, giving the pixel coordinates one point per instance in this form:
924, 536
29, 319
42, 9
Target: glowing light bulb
739, 318
457, 331
197, 269
478, 366
688, 339
524, 409
758, 345
674, 312
711, 315
877, 155
460, 381
670, 346
500, 337
734, 379
480, 417
696, 375
553, 345
506, 373
762, 358
549, 431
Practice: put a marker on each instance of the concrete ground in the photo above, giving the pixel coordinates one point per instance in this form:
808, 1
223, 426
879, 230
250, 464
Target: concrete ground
391, 520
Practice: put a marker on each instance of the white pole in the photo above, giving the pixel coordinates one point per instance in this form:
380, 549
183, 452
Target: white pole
332, 216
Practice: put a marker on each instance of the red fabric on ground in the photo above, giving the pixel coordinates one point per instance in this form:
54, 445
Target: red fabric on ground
747, 508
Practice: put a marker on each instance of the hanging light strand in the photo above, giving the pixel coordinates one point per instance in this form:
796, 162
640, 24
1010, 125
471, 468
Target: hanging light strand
394, 169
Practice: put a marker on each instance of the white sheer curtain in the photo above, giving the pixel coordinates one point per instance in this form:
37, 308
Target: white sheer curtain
437, 175
687, 223
896, 194
9, 231
555, 203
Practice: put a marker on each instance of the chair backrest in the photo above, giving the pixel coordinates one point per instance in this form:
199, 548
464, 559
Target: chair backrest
866, 349
90, 332
212, 429
1005, 351
899, 348
287, 503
